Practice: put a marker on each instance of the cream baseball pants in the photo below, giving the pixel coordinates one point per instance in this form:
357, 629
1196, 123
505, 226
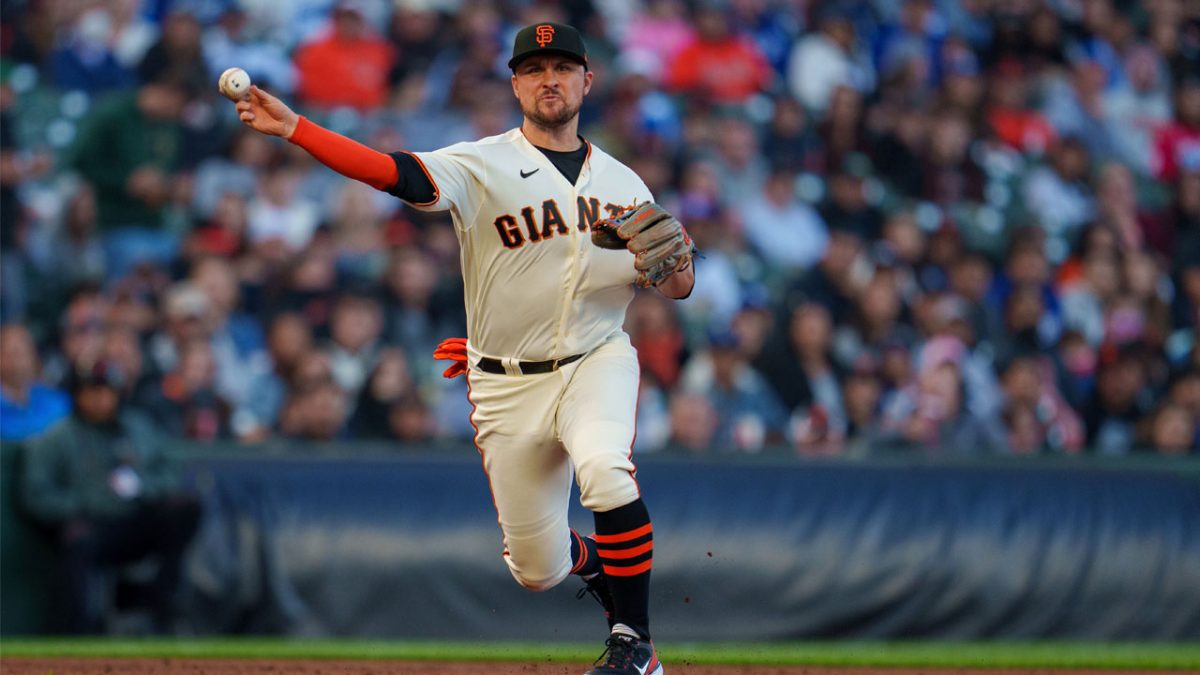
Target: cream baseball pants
534, 432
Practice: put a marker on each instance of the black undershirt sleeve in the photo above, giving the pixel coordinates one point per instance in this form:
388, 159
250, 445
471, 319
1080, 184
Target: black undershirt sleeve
413, 185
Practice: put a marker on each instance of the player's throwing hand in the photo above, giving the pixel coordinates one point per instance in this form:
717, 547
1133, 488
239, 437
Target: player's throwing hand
267, 114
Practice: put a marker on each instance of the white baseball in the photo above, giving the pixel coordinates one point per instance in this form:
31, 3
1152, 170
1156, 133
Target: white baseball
234, 84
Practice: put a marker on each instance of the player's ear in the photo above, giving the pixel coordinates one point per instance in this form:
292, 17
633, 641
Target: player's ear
514, 85
587, 81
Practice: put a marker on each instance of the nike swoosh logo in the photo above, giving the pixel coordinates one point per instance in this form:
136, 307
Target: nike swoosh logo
643, 669
527, 175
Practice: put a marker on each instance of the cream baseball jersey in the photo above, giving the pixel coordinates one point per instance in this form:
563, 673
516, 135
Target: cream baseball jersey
536, 287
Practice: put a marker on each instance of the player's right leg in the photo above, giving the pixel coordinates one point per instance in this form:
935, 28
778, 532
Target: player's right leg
527, 470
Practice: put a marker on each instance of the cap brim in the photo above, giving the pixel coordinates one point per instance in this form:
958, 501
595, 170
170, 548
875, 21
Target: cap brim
516, 60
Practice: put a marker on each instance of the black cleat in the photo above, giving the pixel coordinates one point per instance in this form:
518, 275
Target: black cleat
597, 587
626, 655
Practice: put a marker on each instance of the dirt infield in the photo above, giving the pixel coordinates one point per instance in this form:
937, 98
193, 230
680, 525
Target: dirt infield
161, 666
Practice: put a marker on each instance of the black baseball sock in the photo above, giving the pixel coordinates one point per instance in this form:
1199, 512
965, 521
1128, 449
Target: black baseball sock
584, 560
625, 542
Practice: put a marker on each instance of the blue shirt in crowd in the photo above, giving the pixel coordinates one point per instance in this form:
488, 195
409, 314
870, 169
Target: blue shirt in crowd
44, 407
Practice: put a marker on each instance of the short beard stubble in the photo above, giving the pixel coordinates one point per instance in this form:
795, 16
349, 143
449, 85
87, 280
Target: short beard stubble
550, 122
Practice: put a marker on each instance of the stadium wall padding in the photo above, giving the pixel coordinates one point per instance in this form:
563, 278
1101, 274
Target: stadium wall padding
407, 546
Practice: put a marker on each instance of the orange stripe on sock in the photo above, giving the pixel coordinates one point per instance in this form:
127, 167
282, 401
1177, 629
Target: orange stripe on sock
624, 536
625, 554
613, 571
583, 553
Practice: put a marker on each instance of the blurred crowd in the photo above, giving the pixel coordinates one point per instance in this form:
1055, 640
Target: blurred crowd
957, 227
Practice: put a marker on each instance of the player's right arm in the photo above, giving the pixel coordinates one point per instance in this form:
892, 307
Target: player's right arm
400, 174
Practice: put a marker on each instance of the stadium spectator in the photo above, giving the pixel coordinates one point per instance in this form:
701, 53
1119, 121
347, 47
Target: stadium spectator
693, 422
842, 136
718, 65
658, 32
410, 421
833, 282
1074, 105
101, 481
84, 60
1009, 114
187, 316
355, 330
949, 176
281, 219
862, 394
718, 292
27, 407
235, 336
911, 42
874, 324
71, 254
932, 416
654, 331
1135, 108
826, 59
416, 32
1173, 430
235, 172
184, 402
388, 390
799, 363
1037, 416
233, 42
356, 222
80, 332
179, 50
132, 31
123, 349
1177, 145
420, 308
740, 170
127, 149
748, 413
847, 206
789, 143
787, 233
317, 413
349, 66
1058, 194
1118, 403
289, 339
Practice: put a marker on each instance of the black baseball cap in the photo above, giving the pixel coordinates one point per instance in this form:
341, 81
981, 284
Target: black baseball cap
548, 38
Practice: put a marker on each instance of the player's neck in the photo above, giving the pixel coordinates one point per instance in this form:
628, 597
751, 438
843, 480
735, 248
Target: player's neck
564, 138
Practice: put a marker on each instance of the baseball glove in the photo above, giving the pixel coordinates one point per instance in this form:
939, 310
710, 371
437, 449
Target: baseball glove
660, 245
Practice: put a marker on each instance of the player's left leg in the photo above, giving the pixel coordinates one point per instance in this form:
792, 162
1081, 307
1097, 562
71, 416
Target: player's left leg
596, 425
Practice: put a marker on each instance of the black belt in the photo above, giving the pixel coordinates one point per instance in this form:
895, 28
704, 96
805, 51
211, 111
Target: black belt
489, 365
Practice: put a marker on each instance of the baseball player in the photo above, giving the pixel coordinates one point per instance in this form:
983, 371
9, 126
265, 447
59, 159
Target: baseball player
547, 223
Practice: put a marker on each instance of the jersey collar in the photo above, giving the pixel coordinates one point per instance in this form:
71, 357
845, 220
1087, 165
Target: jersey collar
531, 151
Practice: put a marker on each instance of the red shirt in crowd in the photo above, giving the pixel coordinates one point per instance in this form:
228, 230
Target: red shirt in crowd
1175, 145
1023, 130
335, 71
728, 70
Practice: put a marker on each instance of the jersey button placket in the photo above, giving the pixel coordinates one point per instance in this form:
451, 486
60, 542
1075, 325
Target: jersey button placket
576, 260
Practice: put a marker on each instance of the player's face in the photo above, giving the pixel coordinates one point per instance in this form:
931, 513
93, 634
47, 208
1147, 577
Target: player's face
550, 89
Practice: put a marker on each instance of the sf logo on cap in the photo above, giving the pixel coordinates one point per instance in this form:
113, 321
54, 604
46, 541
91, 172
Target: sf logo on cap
545, 35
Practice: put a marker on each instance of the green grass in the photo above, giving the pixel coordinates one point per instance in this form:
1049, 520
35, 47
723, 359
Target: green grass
1121, 656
